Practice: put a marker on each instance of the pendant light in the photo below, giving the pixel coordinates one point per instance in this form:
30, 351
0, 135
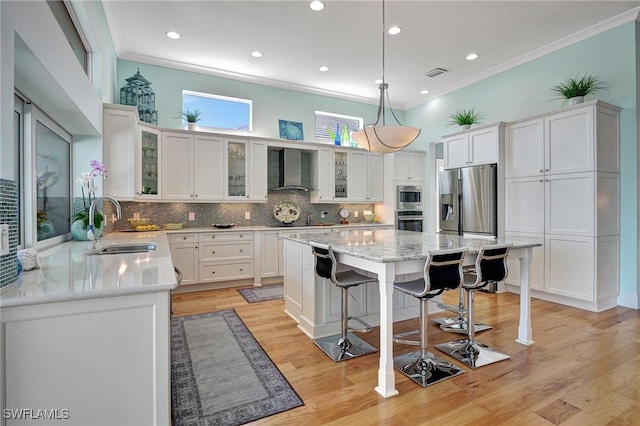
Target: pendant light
383, 138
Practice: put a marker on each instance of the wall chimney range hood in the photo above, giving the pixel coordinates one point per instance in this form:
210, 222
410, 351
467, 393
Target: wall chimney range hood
291, 170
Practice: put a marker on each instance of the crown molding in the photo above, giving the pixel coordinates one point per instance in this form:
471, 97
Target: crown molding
616, 21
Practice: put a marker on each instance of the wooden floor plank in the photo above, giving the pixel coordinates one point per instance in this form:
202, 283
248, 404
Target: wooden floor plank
584, 368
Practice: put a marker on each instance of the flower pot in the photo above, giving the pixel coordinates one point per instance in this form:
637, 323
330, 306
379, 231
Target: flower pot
466, 126
191, 125
79, 230
576, 100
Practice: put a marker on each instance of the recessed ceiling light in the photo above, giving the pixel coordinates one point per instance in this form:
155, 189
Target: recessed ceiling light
395, 30
472, 56
256, 54
173, 35
424, 92
378, 81
323, 69
316, 5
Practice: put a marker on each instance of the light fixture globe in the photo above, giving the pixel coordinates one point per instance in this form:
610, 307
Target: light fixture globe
385, 139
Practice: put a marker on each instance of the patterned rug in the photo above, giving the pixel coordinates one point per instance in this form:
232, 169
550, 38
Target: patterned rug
261, 294
220, 375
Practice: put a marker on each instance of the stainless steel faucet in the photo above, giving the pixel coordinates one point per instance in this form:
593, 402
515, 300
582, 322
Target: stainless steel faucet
92, 208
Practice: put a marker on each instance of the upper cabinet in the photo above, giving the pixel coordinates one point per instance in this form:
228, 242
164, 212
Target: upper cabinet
408, 165
237, 168
473, 147
120, 147
259, 172
148, 167
578, 139
346, 175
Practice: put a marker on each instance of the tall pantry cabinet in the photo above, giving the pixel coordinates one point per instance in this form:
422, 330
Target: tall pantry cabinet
562, 188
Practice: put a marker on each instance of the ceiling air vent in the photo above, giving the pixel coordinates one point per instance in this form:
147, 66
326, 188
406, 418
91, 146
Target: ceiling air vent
435, 72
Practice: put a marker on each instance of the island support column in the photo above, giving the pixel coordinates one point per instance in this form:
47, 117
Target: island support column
525, 333
386, 376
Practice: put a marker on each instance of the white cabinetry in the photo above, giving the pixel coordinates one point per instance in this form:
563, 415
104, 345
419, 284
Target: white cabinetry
119, 146
562, 189
191, 167
408, 165
367, 179
259, 172
184, 254
225, 256
345, 175
106, 360
237, 169
473, 147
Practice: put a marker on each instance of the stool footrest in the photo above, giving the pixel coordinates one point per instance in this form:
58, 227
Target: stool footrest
398, 338
366, 328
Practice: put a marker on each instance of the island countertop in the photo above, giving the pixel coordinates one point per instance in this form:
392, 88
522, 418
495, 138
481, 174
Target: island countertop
67, 273
391, 245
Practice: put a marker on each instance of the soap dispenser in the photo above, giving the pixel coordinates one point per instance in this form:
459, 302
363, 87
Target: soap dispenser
309, 220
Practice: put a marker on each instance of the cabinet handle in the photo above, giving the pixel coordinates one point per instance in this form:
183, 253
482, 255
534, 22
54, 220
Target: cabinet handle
240, 235
541, 171
241, 269
546, 170
546, 180
541, 180
240, 250
184, 238
213, 252
213, 272
196, 195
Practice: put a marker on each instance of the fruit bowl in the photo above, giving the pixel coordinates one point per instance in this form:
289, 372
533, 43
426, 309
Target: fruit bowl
138, 222
369, 217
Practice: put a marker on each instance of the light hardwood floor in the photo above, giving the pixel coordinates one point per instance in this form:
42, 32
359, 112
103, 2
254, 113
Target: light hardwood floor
584, 368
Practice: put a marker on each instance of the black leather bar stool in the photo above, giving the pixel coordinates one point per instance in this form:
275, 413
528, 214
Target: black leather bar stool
442, 271
345, 345
491, 266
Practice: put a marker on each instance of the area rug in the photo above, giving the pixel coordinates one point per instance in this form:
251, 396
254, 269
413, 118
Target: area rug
220, 375
261, 294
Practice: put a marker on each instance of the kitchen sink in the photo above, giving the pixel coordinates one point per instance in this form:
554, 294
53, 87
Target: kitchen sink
123, 248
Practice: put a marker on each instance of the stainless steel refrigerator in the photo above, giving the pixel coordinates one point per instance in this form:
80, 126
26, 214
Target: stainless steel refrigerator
468, 201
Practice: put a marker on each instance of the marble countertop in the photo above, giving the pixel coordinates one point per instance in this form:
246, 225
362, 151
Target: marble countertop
280, 228
390, 245
68, 274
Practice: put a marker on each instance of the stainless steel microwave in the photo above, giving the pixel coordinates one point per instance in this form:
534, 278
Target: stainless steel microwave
408, 197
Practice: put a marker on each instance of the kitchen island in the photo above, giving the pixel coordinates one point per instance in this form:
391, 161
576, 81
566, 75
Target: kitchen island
387, 254
87, 337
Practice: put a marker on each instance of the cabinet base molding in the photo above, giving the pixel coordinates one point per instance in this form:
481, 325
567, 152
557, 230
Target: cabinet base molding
599, 306
213, 285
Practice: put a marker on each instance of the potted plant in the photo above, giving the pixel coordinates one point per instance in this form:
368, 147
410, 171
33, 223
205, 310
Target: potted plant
465, 118
574, 89
192, 116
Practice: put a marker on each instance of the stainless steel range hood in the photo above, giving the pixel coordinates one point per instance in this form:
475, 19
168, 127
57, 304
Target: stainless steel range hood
291, 170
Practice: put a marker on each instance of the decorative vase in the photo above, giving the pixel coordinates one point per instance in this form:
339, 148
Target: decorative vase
191, 125
576, 100
79, 230
336, 139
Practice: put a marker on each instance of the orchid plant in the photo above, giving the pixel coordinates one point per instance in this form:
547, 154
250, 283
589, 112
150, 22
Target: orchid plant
86, 181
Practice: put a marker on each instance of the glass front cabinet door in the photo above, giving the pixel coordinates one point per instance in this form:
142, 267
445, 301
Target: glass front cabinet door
237, 168
148, 186
341, 169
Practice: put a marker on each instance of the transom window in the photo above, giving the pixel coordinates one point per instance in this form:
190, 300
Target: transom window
328, 122
220, 112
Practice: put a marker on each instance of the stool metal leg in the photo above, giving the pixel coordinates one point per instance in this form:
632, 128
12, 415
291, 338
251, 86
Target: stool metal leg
422, 366
346, 345
458, 324
472, 353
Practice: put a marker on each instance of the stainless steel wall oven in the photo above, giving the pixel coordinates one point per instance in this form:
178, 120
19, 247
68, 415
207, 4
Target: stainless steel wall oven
409, 220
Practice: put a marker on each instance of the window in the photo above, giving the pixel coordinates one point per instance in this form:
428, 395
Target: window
70, 30
47, 187
221, 112
327, 123
18, 140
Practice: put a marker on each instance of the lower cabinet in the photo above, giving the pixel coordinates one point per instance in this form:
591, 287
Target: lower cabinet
204, 257
572, 270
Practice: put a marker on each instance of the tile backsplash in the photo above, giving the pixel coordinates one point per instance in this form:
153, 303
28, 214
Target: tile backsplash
9, 215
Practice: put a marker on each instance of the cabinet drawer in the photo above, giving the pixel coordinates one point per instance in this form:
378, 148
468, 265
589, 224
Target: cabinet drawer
226, 236
227, 250
228, 271
191, 237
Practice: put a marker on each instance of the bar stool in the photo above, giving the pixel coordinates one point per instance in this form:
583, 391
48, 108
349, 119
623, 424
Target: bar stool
442, 271
346, 345
491, 266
